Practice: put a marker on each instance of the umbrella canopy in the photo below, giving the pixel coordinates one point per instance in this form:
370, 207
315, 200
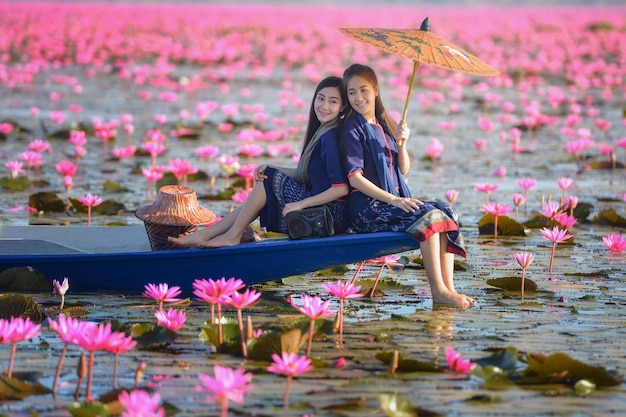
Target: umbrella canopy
421, 45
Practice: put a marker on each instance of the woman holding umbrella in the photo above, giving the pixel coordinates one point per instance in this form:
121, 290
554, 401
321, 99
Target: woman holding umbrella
318, 179
376, 160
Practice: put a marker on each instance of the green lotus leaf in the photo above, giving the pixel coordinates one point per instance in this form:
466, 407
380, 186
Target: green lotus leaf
506, 226
19, 183
16, 388
513, 284
90, 409
561, 364
609, 217
18, 305
505, 359
407, 365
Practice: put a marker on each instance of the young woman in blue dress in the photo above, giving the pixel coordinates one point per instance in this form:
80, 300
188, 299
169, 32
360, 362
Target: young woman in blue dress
376, 160
318, 179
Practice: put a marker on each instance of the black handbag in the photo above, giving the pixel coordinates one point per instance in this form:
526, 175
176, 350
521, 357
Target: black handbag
311, 222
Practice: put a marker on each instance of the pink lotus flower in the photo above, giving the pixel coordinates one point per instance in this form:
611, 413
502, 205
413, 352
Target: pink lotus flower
61, 288
90, 201
68, 330
555, 235
138, 403
499, 172
162, 293
120, 344
33, 160
94, 338
342, 290
551, 211
570, 203
434, 150
313, 308
526, 184
291, 365
155, 149
240, 197
518, 200
614, 242
15, 167
451, 196
565, 184
227, 385
216, 292
384, 261
173, 320
497, 210
480, 144
565, 220
39, 146
66, 168
152, 174
78, 138
523, 259
16, 330
486, 188
240, 301
456, 361
182, 169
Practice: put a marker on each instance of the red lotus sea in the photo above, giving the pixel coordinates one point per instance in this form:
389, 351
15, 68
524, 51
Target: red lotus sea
105, 102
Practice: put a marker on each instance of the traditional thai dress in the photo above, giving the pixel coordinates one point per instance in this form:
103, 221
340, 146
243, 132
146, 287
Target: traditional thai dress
325, 170
372, 150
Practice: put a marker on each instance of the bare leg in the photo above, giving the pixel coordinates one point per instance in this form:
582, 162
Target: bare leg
431, 253
205, 234
447, 262
249, 211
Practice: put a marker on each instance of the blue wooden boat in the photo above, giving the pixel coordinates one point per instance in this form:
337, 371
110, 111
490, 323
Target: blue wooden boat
119, 257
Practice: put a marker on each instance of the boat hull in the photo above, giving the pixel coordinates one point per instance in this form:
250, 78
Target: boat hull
253, 263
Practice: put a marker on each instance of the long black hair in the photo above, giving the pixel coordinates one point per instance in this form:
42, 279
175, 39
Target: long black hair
314, 123
381, 114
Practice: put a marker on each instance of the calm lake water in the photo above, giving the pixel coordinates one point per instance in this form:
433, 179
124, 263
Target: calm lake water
579, 309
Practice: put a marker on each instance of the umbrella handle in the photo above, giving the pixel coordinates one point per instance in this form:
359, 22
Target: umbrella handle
416, 64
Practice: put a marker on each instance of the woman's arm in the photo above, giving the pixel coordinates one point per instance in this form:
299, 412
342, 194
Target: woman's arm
358, 181
331, 194
404, 160
259, 172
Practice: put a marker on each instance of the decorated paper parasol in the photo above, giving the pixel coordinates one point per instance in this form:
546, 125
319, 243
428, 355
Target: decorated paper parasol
421, 45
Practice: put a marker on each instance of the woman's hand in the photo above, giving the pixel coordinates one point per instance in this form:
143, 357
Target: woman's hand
259, 173
295, 206
402, 134
407, 204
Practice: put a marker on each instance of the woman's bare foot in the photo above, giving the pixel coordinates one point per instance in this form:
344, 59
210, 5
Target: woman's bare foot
453, 298
221, 240
192, 240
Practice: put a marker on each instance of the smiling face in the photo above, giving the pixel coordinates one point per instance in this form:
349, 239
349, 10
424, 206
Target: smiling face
362, 97
328, 104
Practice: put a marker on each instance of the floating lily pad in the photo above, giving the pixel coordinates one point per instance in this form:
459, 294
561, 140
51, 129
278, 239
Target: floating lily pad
19, 183
46, 201
17, 389
151, 336
506, 226
399, 406
90, 409
408, 365
24, 279
513, 284
17, 305
290, 341
506, 358
573, 370
114, 187
610, 217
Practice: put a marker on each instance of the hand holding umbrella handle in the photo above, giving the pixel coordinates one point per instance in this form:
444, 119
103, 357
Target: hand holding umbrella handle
402, 134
